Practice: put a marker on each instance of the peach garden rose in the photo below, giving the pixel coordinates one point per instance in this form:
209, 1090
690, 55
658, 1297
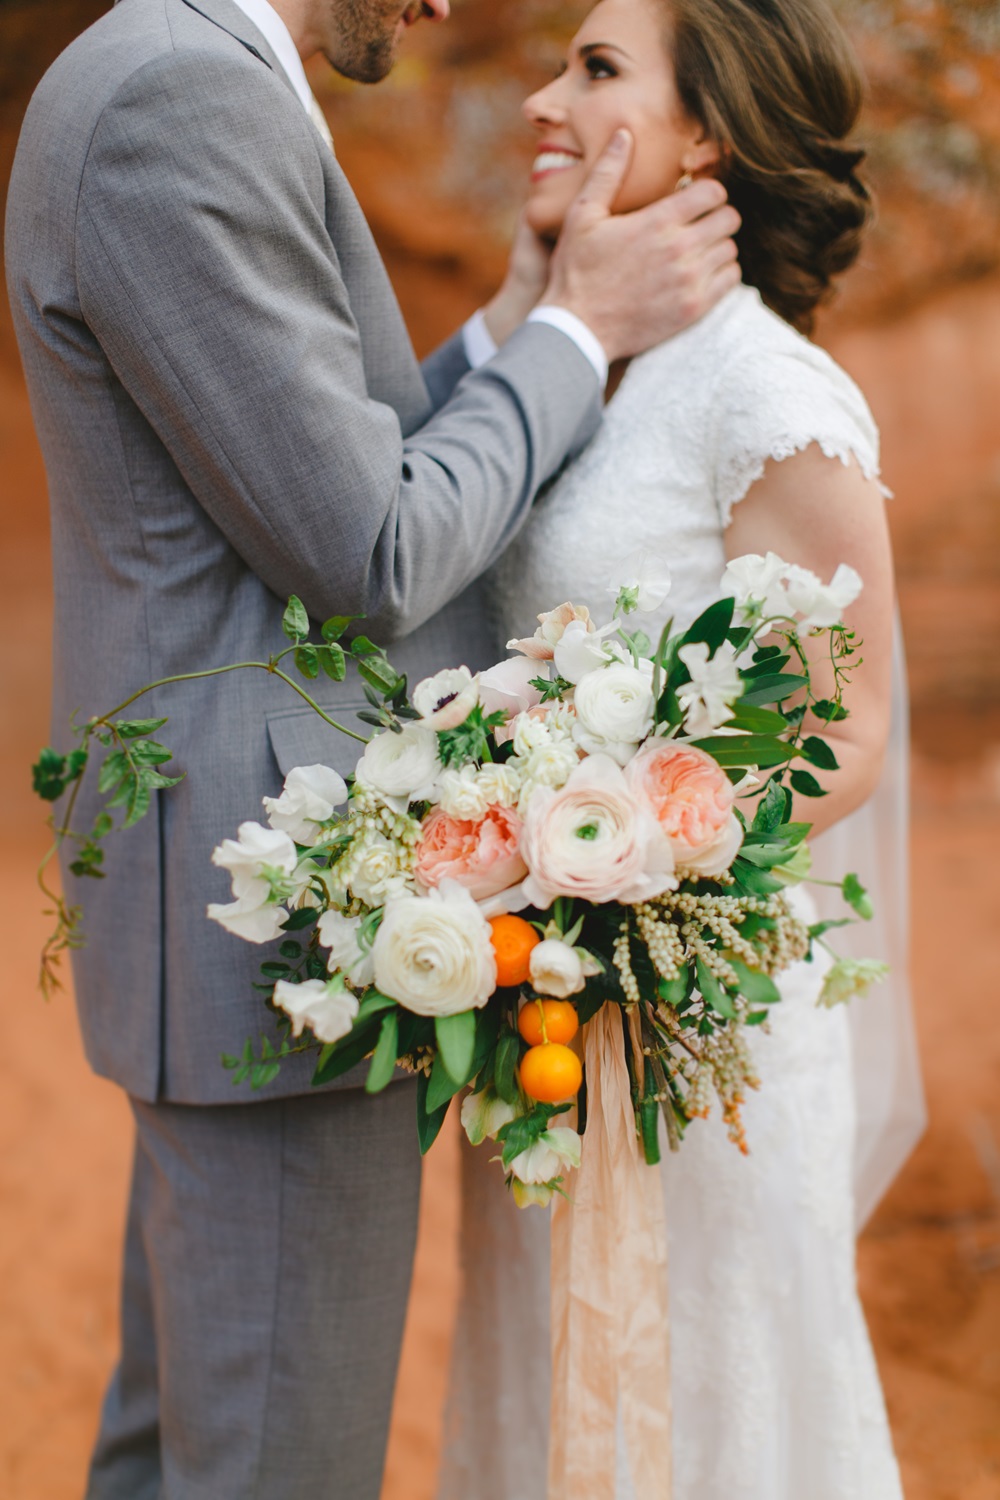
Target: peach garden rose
692, 799
483, 855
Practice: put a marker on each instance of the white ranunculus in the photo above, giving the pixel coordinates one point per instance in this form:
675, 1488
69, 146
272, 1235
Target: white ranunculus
820, 604
553, 1153
714, 687
342, 935
499, 783
447, 699
641, 582
559, 970
757, 584
485, 1113
433, 953
460, 794
614, 711
506, 688
375, 872
310, 794
401, 767
323, 1005
582, 650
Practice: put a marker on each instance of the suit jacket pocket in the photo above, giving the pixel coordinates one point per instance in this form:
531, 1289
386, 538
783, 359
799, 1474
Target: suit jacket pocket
300, 737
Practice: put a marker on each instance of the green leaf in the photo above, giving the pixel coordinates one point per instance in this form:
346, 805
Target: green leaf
805, 783
857, 897
333, 661
505, 1067
441, 1086
383, 1063
754, 882
138, 804
307, 661
773, 809
304, 916
76, 763
818, 753
48, 774
290, 948
103, 825
376, 671
675, 991
347, 1053
767, 661
829, 711
362, 646
757, 720
274, 970
157, 782
373, 1002
295, 620
712, 626
819, 928
755, 986
333, 629
712, 992
762, 750
456, 1039
133, 729
429, 1121
115, 767
773, 689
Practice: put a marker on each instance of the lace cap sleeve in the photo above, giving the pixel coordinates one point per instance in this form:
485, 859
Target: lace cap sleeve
776, 402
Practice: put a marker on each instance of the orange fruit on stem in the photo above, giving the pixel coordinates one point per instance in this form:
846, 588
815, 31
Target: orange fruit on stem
551, 1073
513, 939
547, 1021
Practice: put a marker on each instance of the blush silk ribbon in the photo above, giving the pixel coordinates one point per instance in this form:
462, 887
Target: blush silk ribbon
610, 1333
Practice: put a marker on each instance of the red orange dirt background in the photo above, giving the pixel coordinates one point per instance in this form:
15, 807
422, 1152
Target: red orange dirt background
930, 1261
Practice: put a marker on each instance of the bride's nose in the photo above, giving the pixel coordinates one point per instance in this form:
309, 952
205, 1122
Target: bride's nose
543, 108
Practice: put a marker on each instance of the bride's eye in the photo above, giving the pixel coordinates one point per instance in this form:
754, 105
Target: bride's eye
599, 67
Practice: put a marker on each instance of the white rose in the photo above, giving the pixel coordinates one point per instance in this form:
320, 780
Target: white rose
263, 866
433, 953
715, 686
401, 767
326, 1008
820, 604
310, 794
547, 1158
460, 794
341, 935
614, 711
558, 970
485, 1113
499, 784
447, 699
375, 873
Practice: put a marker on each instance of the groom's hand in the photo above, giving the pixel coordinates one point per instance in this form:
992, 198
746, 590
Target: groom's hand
637, 278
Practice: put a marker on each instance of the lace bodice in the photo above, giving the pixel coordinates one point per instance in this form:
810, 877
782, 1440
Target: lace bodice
686, 434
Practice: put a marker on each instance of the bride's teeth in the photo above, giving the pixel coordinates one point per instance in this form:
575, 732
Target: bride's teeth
553, 161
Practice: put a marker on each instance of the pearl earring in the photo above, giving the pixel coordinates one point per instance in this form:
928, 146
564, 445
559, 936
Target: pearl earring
683, 182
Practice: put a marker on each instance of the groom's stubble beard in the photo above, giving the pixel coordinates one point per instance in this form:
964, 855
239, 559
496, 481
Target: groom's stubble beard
365, 35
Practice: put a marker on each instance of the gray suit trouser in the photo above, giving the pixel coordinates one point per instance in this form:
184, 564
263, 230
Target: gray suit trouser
259, 1346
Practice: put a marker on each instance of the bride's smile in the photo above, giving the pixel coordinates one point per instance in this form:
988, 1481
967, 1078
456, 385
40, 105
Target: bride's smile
619, 73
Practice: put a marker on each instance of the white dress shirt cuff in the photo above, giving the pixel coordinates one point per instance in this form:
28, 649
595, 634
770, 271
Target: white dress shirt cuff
480, 345
588, 343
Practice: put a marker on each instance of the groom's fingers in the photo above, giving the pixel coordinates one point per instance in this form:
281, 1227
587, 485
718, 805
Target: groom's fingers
604, 181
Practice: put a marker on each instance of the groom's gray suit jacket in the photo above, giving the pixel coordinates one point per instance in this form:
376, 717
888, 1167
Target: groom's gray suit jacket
230, 411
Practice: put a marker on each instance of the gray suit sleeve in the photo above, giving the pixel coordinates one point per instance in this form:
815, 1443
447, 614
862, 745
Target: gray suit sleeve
444, 368
207, 272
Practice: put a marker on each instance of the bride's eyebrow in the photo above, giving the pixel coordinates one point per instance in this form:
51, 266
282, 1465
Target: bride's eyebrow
591, 47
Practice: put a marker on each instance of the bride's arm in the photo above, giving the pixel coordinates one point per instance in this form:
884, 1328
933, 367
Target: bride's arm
818, 512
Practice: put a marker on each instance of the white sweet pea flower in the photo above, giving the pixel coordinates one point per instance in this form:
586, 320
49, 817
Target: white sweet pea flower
581, 649
714, 687
461, 795
447, 699
434, 953
551, 624
849, 977
310, 794
641, 582
249, 918
323, 1005
554, 1152
263, 864
530, 1195
401, 767
819, 604
342, 935
559, 970
614, 711
756, 583
485, 1113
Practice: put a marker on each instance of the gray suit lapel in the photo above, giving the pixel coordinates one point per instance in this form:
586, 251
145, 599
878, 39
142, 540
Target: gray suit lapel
229, 17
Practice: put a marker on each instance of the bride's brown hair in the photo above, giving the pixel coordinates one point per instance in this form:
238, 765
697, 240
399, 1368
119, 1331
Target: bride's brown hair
776, 85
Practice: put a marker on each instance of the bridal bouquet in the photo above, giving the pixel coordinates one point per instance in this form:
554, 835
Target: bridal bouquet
597, 821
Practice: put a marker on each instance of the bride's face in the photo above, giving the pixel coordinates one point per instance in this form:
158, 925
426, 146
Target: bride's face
619, 72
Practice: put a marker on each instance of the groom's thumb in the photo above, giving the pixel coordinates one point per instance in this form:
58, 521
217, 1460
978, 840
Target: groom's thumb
607, 175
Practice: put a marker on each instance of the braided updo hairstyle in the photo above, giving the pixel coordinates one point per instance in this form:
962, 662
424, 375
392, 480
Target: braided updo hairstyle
776, 85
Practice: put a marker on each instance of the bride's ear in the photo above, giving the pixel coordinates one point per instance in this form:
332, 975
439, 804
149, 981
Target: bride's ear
702, 156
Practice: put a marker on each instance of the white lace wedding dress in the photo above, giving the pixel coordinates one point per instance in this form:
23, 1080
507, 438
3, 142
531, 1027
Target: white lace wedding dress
775, 1390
